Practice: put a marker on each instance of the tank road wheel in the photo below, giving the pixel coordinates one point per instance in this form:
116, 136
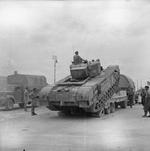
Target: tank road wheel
100, 113
9, 104
67, 112
64, 113
107, 110
112, 107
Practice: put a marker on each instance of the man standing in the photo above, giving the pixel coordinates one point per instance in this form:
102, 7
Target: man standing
143, 96
147, 101
34, 97
26, 98
130, 94
77, 59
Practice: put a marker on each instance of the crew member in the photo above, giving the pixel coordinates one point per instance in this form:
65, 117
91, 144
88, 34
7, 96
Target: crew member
77, 59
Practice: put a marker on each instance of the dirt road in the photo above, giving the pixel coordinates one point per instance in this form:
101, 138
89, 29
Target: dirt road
123, 130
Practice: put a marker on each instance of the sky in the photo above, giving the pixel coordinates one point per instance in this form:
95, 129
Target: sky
115, 31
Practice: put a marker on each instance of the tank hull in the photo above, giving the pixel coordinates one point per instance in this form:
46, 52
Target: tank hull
88, 95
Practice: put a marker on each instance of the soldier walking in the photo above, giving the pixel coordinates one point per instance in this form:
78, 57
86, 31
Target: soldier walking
34, 97
130, 94
26, 98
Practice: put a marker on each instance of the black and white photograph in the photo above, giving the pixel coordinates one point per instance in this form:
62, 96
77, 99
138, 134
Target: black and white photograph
74, 75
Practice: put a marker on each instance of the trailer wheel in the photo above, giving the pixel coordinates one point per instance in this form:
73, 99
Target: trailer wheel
9, 104
21, 105
112, 107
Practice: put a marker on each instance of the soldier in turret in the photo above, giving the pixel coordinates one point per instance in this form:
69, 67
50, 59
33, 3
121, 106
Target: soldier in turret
77, 59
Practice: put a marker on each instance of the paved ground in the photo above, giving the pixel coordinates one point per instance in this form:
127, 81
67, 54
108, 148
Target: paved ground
123, 130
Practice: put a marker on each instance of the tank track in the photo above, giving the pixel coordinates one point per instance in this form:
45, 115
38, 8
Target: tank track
104, 96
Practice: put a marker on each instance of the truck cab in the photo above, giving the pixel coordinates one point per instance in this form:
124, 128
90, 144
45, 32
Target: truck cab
12, 88
8, 96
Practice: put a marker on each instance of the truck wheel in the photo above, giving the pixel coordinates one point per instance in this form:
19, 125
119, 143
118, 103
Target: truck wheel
112, 107
9, 104
21, 105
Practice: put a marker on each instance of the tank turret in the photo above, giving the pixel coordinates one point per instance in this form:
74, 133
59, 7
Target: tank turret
84, 70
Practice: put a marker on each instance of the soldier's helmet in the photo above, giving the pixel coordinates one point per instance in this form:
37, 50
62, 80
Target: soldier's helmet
76, 52
146, 87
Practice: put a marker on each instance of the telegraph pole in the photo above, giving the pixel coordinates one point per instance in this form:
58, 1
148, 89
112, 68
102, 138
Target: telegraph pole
55, 61
141, 83
137, 85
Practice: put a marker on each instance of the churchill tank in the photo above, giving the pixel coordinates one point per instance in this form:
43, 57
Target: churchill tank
87, 88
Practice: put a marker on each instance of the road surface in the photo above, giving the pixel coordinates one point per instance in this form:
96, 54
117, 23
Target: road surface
123, 130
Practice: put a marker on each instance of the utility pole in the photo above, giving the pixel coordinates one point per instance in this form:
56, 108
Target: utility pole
55, 61
141, 83
137, 85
